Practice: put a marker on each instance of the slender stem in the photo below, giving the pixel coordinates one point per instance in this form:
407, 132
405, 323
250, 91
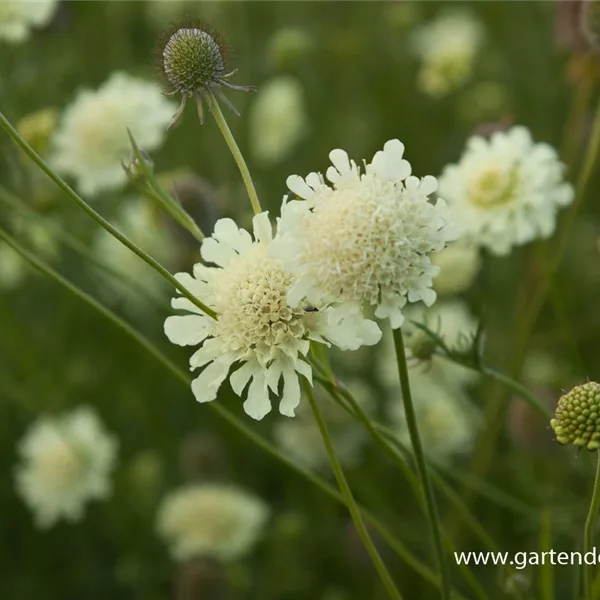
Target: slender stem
237, 155
520, 389
386, 440
183, 376
81, 203
589, 530
15, 203
349, 498
415, 438
154, 190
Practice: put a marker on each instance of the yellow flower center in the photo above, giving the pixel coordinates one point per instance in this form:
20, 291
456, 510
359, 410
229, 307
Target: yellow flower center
493, 187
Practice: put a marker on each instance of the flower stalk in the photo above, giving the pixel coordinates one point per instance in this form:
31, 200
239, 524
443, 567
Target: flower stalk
236, 153
589, 530
419, 455
349, 498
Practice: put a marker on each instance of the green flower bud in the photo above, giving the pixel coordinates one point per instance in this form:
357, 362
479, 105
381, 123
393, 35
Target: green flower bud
133, 168
193, 62
577, 417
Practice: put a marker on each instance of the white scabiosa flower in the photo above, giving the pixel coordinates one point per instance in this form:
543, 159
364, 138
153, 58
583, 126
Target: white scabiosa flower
66, 461
448, 424
447, 48
91, 139
139, 222
19, 17
366, 239
301, 439
211, 520
506, 191
459, 264
255, 327
277, 120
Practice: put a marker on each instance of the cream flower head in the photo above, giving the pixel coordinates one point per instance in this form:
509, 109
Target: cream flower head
18, 17
366, 239
506, 191
91, 139
277, 119
255, 326
213, 520
447, 47
66, 461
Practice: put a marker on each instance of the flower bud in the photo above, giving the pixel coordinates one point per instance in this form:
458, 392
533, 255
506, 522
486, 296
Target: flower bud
577, 417
193, 63
421, 345
133, 168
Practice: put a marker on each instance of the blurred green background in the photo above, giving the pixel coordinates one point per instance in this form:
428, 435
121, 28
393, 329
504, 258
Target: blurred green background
358, 79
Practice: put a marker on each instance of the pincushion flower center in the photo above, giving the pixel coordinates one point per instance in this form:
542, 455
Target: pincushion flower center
250, 298
59, 466
494, 187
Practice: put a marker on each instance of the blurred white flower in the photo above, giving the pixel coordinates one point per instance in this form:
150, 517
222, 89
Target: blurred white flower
459, 264
277, 119
66, 461
210, 519
255, 326
447, 48
506, 191
91, 139
18, 17
452, 320
12, 268
367, 238
140, 223
447, 422
301, 439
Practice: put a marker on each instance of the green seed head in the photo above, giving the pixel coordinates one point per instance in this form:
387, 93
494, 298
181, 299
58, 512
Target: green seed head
577, 417
192, 60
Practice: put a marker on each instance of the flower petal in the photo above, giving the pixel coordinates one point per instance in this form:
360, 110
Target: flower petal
291, 392
206, 385
258, 404
187, 330
263, 230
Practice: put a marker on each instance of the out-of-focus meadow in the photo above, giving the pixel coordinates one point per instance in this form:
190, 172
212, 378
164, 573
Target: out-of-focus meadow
329, 75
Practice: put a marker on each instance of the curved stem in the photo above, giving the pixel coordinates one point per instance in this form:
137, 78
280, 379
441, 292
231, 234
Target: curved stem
589, 530
183, 376
81, 203
519, 389
415, 438
235, 151
349, 498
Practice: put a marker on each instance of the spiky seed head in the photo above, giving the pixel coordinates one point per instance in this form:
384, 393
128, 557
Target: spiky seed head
192, 60
577, 417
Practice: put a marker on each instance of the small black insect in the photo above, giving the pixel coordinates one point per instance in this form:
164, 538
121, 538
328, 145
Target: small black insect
310, 309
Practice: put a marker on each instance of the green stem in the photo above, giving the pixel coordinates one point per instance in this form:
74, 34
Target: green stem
349, 498
154, 190
81, 203
237, 155
415, 438
19, 206
380, 437
589, 530
520, 389
403, 553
